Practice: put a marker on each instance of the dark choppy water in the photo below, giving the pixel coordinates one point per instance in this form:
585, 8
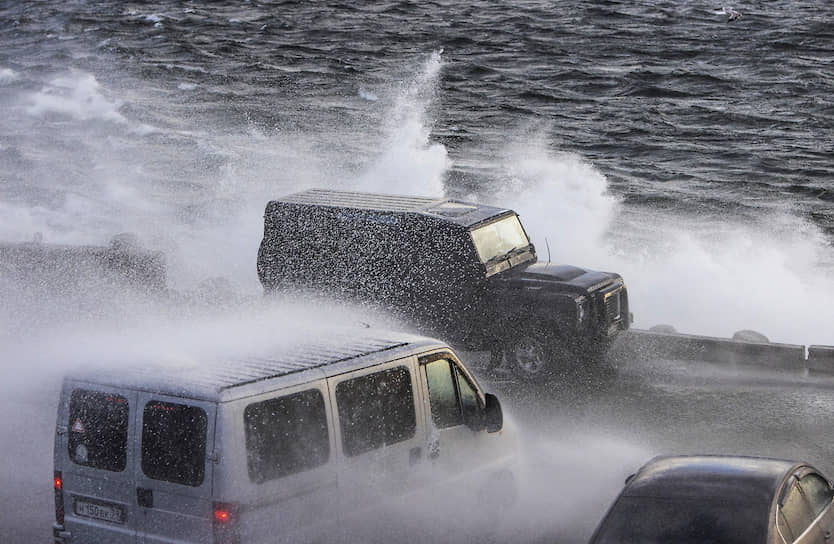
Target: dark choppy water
692, 154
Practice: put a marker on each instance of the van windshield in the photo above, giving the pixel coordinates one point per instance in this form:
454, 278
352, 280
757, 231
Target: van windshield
499, 238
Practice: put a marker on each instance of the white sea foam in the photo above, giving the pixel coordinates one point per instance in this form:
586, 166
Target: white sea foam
564, 201
409, 162
77, 95
365, 94
7, 75
703, 277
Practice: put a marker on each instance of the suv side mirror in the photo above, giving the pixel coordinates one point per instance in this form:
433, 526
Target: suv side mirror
493, 416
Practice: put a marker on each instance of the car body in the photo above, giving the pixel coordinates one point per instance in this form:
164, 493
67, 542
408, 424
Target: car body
286, 444
461, 271
68, 269
721, 499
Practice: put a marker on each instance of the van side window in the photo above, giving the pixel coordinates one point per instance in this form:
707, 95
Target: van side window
174, 443
376, 410
468, 397
445, 410
98, 430
286, 435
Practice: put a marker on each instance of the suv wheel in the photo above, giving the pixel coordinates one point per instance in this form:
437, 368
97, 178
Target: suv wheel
528, 354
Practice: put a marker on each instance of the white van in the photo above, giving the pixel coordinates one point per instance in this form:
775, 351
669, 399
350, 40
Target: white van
288, 446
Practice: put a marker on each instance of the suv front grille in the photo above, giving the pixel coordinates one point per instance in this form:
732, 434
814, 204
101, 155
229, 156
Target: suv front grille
613, 305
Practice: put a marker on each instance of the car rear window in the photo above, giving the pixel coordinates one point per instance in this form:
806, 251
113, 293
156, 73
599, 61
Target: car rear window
286, 435
376, 410
684, 521
98, 430
174, 443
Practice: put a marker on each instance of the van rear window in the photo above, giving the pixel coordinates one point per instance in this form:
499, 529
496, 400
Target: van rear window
376, 410
98, 430
286, 435
174, 443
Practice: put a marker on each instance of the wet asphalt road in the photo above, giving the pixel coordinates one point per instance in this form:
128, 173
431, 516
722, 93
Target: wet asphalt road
589, 430
582, 435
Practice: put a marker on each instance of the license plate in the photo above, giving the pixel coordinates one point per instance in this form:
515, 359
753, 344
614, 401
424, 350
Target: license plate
100, 510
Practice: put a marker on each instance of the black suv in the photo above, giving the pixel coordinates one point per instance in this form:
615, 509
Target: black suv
462, 271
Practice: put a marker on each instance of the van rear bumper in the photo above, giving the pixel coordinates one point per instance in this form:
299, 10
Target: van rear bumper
60, 535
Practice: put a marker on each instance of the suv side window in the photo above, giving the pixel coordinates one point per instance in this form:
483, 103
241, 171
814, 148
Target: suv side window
174, 443
98, 430
376, 410
818, 492
286, 435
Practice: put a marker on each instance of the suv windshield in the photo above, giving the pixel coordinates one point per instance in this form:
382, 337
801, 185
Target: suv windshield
499, 238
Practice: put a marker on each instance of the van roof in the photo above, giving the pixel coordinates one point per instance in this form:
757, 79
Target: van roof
453, 211
227, 377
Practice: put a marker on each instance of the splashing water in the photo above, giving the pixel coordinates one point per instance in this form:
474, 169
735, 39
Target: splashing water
409, 163
703, 277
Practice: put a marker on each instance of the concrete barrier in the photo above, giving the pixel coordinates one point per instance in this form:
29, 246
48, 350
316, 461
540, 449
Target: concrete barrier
667, 345
821, 359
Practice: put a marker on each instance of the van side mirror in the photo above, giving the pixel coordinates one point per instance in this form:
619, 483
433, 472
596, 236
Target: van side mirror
493, 415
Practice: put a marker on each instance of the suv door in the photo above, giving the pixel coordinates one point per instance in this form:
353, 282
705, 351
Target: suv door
93, 449
173, 470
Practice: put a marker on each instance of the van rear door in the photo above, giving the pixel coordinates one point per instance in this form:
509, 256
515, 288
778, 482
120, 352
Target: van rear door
174, 471
93, 453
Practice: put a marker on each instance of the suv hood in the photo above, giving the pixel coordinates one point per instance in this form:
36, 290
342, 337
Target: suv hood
590, 280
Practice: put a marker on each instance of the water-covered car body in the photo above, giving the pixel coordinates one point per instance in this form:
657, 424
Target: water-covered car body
721, 499
69, 269
463, 271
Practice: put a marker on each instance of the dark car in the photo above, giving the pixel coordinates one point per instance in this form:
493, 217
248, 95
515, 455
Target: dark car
462, 271
716, 500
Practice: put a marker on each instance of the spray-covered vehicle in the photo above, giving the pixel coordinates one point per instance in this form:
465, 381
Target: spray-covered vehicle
69, 269
463, 271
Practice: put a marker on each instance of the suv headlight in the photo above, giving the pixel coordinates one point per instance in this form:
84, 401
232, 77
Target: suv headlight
581, 309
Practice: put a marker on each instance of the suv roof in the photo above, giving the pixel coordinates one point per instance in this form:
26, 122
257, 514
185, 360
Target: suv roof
223, 378
458, 212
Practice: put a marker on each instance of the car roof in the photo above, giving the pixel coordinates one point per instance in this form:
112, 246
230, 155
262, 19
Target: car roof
447, 210
290, 362
730, 478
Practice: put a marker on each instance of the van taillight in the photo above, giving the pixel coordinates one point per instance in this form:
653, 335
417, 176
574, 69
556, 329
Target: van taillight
225, 522
58, 485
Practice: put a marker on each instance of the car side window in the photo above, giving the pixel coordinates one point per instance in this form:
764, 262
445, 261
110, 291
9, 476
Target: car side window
817, 491
443, 398
795, 510
376, 410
